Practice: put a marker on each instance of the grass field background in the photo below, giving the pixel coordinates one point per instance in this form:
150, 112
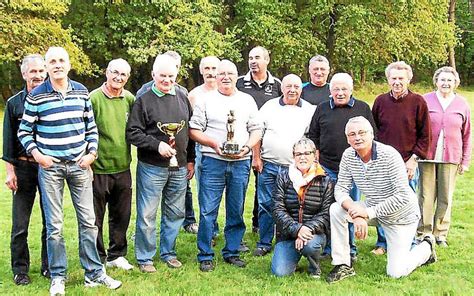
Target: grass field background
453, 274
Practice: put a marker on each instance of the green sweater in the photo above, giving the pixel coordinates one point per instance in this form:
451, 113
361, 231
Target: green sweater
111, 115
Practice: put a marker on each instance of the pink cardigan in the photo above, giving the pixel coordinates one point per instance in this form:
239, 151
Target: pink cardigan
456, 122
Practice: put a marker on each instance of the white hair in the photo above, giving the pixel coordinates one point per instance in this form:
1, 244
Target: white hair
342, 78
401, 65
120, 62
53, 50
25, 63
164, 60
362, 120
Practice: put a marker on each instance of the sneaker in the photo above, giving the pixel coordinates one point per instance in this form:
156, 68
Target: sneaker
429, 238
57, 287
316, 273
174, 263
206, 266
147, 268
236, 261
103, 280
442, 244
21, 279
191, 228
45, 273
378, 251
243, 248
340, 272
120, 262
260, 252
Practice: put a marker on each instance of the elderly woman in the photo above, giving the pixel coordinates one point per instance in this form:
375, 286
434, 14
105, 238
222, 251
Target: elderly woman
450, 152
303, 195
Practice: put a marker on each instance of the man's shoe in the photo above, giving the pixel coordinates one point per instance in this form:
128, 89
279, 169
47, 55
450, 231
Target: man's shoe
206, 266
378, 251
260, 252
340, 272
21, 279
120, 262
243, 248
316, 273
191, 228
46, 273
429, 238
103, 280
57, 287
147, 268
236, 261
174, 263
442, 244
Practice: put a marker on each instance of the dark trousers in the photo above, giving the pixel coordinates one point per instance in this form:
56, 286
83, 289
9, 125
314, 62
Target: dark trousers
255, 202
23, 200
114, 190
189, 217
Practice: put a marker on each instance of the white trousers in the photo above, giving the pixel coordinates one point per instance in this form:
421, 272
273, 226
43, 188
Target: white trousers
402, 259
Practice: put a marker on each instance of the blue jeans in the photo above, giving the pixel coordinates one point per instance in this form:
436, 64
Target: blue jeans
189, 217
266, 184
79, 181
381, 240
286, 257
220, 174
153, 183
355, 195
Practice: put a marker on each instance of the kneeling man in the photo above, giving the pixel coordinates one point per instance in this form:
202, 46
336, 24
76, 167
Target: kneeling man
379, 172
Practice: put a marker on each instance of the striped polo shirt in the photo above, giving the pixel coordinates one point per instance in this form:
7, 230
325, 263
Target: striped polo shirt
383, 181
57, 125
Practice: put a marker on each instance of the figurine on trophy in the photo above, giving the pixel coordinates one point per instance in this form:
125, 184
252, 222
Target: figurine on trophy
230, 147
171, 129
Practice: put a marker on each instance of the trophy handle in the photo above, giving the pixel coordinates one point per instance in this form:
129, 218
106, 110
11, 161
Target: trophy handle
159, 125
181, 126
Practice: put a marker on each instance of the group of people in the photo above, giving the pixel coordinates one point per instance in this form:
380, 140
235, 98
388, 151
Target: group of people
314, 149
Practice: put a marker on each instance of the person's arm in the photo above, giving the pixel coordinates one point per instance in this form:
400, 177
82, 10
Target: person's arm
314, 130
257, 163
91, 136
344, 183
423, 131
466, 141
282, 218
136, 127
319, 223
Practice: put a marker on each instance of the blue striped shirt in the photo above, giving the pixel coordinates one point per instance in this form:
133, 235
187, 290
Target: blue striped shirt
59, 126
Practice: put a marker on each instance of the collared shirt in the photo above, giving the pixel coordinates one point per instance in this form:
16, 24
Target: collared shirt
160, 94
333, 105
108, 94
61, 126
282, 102
261, 93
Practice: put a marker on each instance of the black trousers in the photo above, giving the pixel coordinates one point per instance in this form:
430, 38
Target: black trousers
255, 202
189, 217
115, 192
23, 200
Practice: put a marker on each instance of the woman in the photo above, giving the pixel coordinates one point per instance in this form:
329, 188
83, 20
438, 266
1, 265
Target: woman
303, 195
450, 153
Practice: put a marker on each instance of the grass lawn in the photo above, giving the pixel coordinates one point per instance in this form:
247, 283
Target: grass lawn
453, 274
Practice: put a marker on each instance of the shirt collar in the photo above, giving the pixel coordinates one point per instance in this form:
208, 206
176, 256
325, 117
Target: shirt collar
350, 103
50, 89
282, 103
160, 94
400, 97
108, 94
373, 155
270, 78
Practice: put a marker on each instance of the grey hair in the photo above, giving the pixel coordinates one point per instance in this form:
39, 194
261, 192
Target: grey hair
204, 59
53, 49
342, 78
304, 142
318, 58
401, 65
25, 63
118, 62
266, 54
175, 55
162, 60
362, 120
447, 69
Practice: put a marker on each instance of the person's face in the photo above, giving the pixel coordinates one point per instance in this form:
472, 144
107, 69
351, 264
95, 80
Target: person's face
257, 62
34, 74
226, 79
359, 137
341, 93
304, 157
58, 65
117, 76
446, 83
165, 77
398, 81
319, 72
291, 89
209, 70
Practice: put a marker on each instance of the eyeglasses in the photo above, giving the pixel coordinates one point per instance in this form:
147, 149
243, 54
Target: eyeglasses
306, 153
116, 73
359, 133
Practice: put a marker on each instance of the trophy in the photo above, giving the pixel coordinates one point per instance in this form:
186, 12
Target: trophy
171, 129
230, 147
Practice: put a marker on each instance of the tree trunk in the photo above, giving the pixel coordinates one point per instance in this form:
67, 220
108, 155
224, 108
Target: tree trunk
331, 38
363, 75
451, 19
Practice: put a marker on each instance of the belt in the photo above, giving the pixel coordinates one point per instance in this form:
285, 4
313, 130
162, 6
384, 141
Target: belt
27, 159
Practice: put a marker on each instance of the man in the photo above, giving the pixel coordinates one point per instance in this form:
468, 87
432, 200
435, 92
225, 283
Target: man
403, 122
58, 129
210, 126
317, 90
22, 175
276, 154
380, 173
112, 183
327, 132
156, 180
262, 86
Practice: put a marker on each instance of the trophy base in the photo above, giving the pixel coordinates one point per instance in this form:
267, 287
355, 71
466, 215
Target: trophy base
230, 149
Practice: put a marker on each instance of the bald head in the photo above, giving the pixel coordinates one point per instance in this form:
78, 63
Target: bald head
291, 87
226, 77
164, 73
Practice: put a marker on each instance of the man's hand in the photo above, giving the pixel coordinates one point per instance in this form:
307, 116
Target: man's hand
165, 150
360, 228
462, 169
11, 181
299, 244
305, 234
411, 165
45, 161
243, 152
86, 161
217, 147
357, 210
190, 167
257, 164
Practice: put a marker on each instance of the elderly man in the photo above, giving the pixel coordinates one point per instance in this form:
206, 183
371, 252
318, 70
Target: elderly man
211, 122
262, 86
156, 177
59, 130
402, 119
327, 132
380, 173
112, 183
317, 90
275, 154
22, 174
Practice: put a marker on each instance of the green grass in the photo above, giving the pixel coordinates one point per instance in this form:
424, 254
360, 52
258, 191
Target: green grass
453, 274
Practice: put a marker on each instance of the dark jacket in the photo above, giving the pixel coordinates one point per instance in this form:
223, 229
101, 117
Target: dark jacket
315, 208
